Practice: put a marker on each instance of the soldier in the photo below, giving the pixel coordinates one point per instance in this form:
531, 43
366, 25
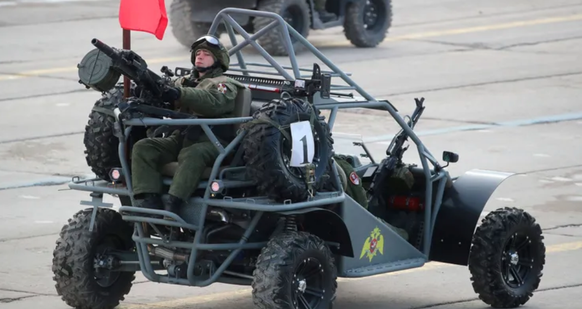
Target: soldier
206, 93
324, 15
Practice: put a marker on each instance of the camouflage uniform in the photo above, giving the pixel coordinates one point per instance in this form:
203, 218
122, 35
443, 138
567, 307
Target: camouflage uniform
319, 5
324, 15
210, 96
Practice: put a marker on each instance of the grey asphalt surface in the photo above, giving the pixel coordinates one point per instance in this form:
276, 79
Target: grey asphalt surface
502, 87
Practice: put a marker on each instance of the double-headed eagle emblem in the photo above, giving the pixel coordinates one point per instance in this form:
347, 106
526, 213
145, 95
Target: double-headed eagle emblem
373, 244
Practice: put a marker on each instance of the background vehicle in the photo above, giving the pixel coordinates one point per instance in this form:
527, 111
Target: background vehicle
287, 229
365, 22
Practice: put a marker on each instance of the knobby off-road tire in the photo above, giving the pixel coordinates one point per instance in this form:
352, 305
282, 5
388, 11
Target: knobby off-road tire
292, 268
73, 260
295, 12
184, 29
366, 25
267, 153
100, 144
493, 262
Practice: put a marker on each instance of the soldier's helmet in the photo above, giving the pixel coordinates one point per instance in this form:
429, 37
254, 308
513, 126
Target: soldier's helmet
212, 44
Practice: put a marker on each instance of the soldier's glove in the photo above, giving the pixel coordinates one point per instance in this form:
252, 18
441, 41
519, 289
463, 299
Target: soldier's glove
171, 94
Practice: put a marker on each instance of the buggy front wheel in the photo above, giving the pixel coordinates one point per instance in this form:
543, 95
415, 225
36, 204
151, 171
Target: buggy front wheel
81, 260
507, 258
295, 270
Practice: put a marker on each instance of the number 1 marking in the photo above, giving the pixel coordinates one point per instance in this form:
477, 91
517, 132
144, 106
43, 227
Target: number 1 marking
304, 141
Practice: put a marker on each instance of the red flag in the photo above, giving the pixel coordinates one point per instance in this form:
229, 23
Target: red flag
144, 15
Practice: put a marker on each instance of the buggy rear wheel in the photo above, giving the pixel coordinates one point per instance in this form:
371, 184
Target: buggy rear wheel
81, 260
295, 269
507, 258
367, 22
267, 152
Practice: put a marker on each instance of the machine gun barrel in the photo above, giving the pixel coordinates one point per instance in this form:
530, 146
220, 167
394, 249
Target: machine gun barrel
133, 66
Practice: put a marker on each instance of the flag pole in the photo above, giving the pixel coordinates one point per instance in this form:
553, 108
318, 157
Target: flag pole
126, 45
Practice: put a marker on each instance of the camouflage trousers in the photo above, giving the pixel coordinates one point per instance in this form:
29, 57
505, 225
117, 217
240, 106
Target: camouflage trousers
149, 155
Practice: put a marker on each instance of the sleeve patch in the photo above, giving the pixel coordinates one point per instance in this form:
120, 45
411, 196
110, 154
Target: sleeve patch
222, 88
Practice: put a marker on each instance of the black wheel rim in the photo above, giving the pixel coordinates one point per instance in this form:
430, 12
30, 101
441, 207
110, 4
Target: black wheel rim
105, 277
308, 284
373, 15
517, 260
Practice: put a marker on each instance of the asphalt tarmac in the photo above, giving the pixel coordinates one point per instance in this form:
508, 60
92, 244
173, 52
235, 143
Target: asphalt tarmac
501, 82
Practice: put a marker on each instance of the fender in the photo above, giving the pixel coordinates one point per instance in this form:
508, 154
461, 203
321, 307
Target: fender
327, 225
462, 205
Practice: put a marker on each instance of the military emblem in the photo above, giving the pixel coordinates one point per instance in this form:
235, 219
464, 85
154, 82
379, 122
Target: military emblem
354, 178
222, 88
373, 244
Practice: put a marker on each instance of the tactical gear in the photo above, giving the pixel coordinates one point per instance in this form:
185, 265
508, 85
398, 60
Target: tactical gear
212, 44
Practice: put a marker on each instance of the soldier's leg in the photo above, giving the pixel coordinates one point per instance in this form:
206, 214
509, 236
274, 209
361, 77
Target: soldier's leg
192, 161
148, 156
324, 15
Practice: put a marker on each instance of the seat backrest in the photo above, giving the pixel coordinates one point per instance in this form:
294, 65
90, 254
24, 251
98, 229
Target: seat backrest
242, 104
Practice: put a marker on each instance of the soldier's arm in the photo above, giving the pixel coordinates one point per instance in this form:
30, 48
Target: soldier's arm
208, 101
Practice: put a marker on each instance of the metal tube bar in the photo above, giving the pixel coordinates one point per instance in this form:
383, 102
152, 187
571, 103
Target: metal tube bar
234, 253
289, 68
276, 208
258, 47
332, 117
428, 202
202, 246
150, 121
233, 41
239, 46
160, 221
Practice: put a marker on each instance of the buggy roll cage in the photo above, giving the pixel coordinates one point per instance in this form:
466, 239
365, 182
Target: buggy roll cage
368, 100
98, 186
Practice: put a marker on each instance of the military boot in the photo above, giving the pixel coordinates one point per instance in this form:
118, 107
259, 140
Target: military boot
173, 203
326, 16
151, 201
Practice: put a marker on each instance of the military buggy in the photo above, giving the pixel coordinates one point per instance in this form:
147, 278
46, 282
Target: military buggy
272, 211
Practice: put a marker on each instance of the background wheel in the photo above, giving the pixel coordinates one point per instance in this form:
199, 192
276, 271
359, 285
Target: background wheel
78, 281
507, 258
184, 29
267, 152
295, 12
367, 22
293, 269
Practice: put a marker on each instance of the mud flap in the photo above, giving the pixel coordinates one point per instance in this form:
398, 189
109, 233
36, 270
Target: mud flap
459, 213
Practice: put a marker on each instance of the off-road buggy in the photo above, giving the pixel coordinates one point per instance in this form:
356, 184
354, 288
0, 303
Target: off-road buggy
365, 22
272, 211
